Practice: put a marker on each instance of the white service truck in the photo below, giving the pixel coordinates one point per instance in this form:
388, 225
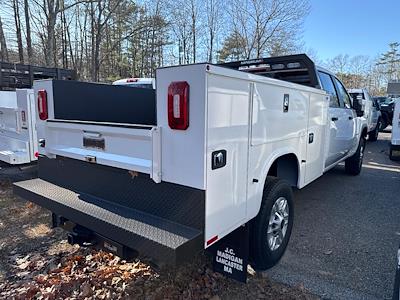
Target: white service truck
18, 139
371, 111
207, 160
395, 139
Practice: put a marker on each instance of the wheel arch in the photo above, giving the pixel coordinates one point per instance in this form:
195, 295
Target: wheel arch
277, 164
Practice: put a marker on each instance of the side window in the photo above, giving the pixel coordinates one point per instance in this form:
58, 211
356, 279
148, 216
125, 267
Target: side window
343, 94
329, 87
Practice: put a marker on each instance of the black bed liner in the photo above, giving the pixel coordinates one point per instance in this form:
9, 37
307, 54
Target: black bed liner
84, 101
163, 221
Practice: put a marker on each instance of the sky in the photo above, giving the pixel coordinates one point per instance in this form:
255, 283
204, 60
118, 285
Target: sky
351, 27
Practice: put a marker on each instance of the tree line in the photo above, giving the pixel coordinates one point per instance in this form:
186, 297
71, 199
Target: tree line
104, 40
108, 39
364, 71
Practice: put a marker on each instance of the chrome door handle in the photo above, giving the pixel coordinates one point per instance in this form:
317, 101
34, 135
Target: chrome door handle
334, 119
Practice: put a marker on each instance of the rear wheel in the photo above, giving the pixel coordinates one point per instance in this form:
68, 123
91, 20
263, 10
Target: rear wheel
272, 227
353, 164
373, 135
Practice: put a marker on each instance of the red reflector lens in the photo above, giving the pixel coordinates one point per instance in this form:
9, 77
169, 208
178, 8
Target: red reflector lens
212, 240
42, 105
132, 80
36, 154
178, 105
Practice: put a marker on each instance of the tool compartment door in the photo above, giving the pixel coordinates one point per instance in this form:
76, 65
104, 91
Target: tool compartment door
227, 155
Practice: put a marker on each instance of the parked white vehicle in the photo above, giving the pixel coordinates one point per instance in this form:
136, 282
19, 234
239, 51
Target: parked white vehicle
371, 111
227, 144
395, 140
148, 83
18, 139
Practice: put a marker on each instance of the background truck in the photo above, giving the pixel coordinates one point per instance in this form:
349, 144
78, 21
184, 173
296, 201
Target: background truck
18, 139
395, 140
211, 154
371, 112
148, 83
386, 106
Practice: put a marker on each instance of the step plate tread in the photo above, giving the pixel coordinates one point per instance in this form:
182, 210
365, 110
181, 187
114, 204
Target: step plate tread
158, 230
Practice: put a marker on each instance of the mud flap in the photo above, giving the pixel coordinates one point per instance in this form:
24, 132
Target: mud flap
231, 254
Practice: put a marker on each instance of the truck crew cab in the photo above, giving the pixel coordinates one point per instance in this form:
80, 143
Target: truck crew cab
212, 151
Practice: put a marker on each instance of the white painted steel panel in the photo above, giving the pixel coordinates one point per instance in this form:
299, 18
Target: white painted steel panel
227, 129
317, 126
183, 151
126, 147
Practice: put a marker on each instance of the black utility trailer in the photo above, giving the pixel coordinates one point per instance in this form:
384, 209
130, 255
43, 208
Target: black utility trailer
20, 76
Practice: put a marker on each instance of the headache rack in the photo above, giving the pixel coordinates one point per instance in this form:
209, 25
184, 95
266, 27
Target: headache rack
297, 68
20, 76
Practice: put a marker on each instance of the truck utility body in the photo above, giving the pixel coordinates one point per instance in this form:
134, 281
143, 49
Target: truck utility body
223, 144
18, 140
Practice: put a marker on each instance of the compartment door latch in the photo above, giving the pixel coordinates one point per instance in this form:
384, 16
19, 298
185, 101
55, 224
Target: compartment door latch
218, 159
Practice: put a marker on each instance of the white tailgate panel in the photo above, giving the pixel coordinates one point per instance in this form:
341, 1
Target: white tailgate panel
125, 147
228, 129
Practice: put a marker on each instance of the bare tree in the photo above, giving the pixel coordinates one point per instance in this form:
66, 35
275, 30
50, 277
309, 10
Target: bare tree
214, 18
3, 44
261, 23
17, 21
28, 31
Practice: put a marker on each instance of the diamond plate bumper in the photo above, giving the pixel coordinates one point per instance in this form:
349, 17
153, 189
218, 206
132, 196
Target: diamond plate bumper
151, 235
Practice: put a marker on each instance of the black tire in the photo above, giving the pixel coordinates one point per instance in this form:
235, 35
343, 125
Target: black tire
353, 164
373, 135
262, 256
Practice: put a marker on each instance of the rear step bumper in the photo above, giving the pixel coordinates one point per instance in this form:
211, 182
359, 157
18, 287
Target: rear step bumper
150, 235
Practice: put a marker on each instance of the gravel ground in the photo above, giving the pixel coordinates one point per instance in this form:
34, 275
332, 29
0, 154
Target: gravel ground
347, 231
37, 263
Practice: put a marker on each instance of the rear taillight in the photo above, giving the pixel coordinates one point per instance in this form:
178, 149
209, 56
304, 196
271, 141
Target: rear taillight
42, 105
132, 80
178, 105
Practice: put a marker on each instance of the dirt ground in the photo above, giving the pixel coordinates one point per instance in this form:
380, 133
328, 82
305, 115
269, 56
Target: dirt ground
37, 263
